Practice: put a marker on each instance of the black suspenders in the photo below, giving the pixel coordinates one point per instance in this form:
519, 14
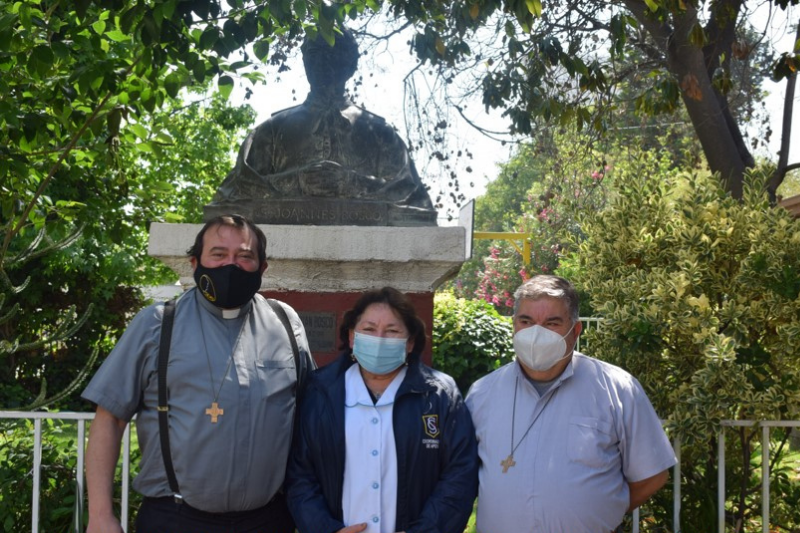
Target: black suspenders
301, 376
163, 407
163, 359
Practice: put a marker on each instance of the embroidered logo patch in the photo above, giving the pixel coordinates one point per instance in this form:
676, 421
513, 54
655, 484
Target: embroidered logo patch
431, 424
206, 286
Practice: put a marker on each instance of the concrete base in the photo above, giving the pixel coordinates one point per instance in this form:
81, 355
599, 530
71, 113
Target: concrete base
322, 270
335, 258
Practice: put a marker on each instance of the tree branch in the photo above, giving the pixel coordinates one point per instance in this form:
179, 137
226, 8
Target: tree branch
15, 228
786, 134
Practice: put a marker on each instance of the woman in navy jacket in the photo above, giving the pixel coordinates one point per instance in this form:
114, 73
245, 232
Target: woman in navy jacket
349, 472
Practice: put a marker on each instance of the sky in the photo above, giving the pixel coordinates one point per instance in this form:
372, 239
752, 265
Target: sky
382, 93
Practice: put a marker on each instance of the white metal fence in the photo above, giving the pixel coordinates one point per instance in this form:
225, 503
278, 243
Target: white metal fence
81, 418
588, 324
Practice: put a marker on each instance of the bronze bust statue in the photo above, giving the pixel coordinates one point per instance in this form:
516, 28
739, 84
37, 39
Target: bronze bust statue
326, 161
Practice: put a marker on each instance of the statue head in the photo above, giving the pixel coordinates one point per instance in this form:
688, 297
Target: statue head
330, 66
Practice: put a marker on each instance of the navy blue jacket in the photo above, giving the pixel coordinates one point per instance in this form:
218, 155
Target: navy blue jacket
436, 485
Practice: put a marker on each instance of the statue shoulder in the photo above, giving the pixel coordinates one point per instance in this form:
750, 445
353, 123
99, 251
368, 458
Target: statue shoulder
370, 116
371, 126
280, 121
285, 112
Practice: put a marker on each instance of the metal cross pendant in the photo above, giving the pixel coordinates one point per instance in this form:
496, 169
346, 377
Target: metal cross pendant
507, 463
214, 412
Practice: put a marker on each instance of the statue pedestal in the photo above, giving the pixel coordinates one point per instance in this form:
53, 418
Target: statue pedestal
322, 270
324, 212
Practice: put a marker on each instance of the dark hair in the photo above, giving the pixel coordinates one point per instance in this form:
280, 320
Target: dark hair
234, 221
399, 303
548, 286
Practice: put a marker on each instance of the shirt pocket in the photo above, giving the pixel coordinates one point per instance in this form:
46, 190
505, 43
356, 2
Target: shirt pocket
591, 441
275, 377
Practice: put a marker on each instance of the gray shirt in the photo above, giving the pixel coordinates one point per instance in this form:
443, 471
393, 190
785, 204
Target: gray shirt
246, 363
576, 447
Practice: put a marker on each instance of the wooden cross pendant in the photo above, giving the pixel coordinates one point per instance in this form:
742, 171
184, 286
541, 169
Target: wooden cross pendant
214, 412
507, 463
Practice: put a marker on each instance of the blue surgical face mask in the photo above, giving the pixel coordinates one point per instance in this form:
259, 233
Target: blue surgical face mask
379, 355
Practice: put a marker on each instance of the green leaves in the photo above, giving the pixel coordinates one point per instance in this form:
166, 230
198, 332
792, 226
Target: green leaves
695, 288
786, 65
225, 85
99, 27
41, 60
534, 7
261, 49
470, 339
173, 83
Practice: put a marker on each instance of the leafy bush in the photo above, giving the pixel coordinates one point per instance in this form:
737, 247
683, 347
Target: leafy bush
58, 476
470, 338
57, 491
699, 295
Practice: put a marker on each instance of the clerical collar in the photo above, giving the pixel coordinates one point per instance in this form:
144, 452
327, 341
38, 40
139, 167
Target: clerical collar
231, 313
541, 386
227, 314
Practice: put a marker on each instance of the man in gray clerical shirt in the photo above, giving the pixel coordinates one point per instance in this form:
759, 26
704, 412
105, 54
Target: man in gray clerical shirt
567, 443
231, 385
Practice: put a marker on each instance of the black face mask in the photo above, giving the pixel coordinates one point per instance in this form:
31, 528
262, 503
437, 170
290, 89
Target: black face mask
228, 286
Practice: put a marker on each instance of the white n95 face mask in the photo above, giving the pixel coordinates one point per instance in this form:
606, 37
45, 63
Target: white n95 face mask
539, 348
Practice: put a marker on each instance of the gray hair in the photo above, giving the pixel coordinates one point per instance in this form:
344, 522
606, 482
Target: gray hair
547, 286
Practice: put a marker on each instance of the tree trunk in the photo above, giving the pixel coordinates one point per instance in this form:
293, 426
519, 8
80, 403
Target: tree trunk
718, 132
786, 135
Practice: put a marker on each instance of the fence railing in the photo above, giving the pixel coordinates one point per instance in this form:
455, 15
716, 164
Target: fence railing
81, 418
80, 480
589, 323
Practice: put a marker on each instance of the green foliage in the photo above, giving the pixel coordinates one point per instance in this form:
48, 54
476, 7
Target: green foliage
89, 106
58, 476
470, 339
791, 185
191, 147
699, 296
16, 480
59, 330
542, 193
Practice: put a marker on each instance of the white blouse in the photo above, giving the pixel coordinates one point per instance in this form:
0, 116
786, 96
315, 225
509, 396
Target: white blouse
370, 466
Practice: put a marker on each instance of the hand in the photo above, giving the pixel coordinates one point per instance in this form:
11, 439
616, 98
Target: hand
353, 529
103, 524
